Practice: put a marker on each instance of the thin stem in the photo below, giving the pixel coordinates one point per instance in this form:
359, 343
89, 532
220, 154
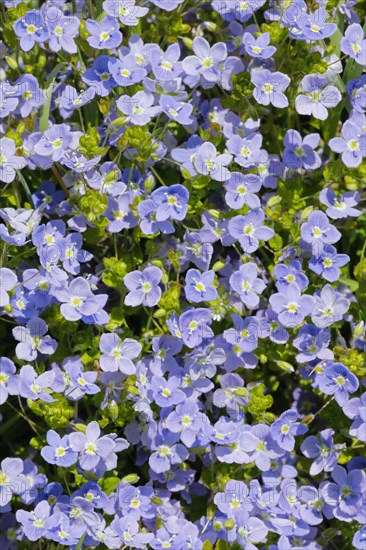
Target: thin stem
60, 180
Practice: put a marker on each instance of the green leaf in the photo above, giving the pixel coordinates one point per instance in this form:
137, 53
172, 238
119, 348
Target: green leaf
276, 243
351, 283
24, 184
259, 403
114, 272
45, 112
110, 484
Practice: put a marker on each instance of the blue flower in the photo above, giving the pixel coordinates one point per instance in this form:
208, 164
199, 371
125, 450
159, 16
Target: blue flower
247, 284
126, 10
324, 451
166, 393
194, 326
353, 43
8, 99
286, 428
315, 27
206, 59
58, 451
328, 263
104, 35
34, 522
117, 354
8, 379
329, 308
312, 343
199, 286
270, 87
31, 28
207, 162
119, 213
247, 150
93, 447
98, 76
186, 420
337, 380
9, 161
176, 110
356, 90
8, 280
291, 306
166, 65
317, 232
299, 153
316, 96
258, 47
352, 144
33, 340
126, 72
31, 97
62, 29
345, 495
138, 108
171, 202
71, 99
288, 274
241, 189
11, 479
340, 206
355, 409
77, 300
249, 230
143, 286
32, 386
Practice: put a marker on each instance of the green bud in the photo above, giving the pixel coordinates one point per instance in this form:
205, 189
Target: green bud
218, 265
113, 409
241, 392
229, 524
308, 419
215, 214
11, 62
120, 121
210, 26
187, 42
186, 175
359, 329
80, 428
306, 212
287, 367
149, 183
131, 478
273, 201
158, 263
160, 313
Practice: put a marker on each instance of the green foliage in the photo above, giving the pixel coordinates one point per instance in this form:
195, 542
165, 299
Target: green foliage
138, 137
93, 204
89, 144
259, 403
57, 414
170, 298
114, 271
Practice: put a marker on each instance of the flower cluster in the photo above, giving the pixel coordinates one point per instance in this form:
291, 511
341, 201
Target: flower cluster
182, 274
